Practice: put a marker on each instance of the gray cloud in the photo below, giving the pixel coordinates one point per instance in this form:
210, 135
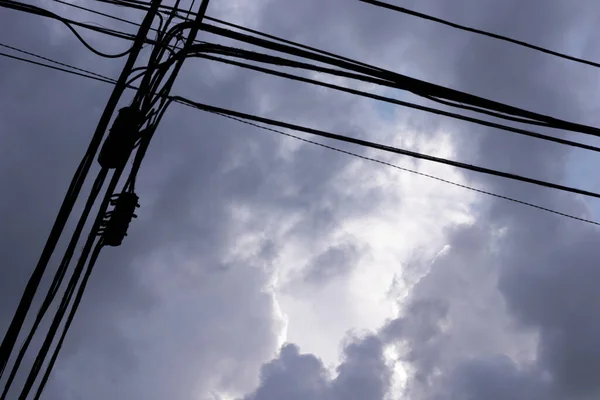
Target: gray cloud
362, 374
171, 312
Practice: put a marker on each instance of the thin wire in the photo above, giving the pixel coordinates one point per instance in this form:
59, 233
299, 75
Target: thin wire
485, 192
58, 279
99, 13
413, 85
390, 100
352, 91
74, 307
52, 61
75, 186
481, 32
42, 12
390, 149
399, 81
107, 80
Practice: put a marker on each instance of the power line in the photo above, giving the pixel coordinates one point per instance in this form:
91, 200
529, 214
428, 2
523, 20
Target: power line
413, 85
84, 71
153, 78
66, 3
68, 203
359, 93
480, 32
15, 5
388, 78
485, 192
107, 80
390, 149
391, 100
430, 91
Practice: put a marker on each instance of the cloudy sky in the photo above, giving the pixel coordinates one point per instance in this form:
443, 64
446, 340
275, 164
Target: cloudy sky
264, 268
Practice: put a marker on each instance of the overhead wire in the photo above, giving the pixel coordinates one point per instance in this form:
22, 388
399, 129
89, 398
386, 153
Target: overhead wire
479, 169
390, 149
388, 164
107, 80
57, 281
456, 98
67, 205
406, 104
425, 89
416, 86
138, 100
68, 23
503, 38
386, 99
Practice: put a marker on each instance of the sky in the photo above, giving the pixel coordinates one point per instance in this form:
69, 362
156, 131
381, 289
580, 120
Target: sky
261, 267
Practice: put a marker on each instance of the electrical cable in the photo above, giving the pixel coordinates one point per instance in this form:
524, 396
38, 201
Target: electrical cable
406, 104
66, 3
390, 149
75, 186
413, 85
75, 306
42, 12
75, 278
485, 192
52, 61
480, 32
372, 96
421, 88
70, 290
382, 162
58, 278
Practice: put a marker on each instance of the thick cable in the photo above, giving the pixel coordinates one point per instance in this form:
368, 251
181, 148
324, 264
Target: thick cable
404, 82
390, 149
18, 319
522, 43
58, 278
40, 11
107, 80
375, 160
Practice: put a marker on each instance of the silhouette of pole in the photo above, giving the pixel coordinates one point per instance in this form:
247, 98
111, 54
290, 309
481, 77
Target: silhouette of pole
16, 324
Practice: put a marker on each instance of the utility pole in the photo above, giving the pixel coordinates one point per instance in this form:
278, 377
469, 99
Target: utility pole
16, 324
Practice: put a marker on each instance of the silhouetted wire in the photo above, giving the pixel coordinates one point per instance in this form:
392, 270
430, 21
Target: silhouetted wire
74, 307
422, 88
68, 203
91, 238
68, 295
480, 110
40, 11
359, 93
94, 77
58, 278
382, 162
405, 104
86, 72
390, 149
480, 32
413, 85
66, 3
143, 5
485, 192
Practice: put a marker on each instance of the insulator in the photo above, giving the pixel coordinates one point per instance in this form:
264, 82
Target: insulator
121, 138
119, 219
